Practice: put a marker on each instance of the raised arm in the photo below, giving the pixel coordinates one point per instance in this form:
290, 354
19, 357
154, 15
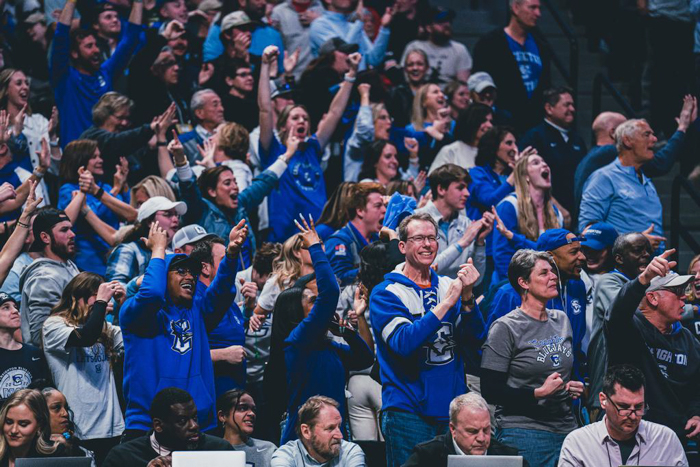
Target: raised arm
264, 100
335, 112
87, 183
13, 246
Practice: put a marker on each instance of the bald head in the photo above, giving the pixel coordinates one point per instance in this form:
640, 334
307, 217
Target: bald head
604, 127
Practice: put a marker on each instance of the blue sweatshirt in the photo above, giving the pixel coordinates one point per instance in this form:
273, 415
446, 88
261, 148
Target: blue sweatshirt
343, 250
166, 345
486, 189
421, 358
75, 92
315, 364
230, 331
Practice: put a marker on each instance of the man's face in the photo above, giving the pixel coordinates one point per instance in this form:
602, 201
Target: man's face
218, 251
486, 97
88, 54
563, 113
440, 33
108, 24
570, 258
421, 244
259, 279
62, 240
226, 193
324, 436
344, 6
175, 10
635, 256
670, 303
455, 196
243, 81
9, 316
255, 9
526, 13
596, 260
178, 45
212, 112
180, 427
472, 432
642, 142
181, 284
623, 399
373, 213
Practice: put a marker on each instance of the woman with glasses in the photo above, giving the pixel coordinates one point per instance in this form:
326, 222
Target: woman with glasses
527, 363
237, 414
80, 346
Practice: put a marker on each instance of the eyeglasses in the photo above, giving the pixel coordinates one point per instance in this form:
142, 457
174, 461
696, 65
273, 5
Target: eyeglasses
244, 74
628, 412
246, 408
422, 238
184, 272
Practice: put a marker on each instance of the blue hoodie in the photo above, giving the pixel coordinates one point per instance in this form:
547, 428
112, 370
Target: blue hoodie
166, 345
421, 358
343, 250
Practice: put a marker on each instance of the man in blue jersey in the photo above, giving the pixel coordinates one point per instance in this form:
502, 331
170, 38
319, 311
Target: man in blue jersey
165, 329
423, 323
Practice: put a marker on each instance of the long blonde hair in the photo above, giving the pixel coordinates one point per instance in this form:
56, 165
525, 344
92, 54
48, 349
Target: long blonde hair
419, 112
527, 214
287, 265
36, 403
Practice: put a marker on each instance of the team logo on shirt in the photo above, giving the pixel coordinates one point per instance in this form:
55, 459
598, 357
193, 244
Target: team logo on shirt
183, 336
12, 380
340, 250
575, 306
306, 176
551, 348
442, 350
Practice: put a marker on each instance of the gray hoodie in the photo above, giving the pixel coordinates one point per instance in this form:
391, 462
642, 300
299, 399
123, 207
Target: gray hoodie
42, 284
286, 20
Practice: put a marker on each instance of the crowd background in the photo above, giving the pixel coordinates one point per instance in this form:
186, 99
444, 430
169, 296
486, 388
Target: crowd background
243, 224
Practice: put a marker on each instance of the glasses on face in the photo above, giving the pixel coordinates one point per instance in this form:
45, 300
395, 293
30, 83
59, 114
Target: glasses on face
419, 239
244, 74
184, 272
628, 412
246, 408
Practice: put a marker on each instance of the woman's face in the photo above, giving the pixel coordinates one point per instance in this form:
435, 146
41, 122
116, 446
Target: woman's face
696, 282
298, 123
20, 427
484, 127
18, 89
94, 165
226, 193
37, 32
542, 282
382, 125
460, 98
140, 196
538, 172
308, 297
241, 419
434, 98
507, 150
168, 221
58, 409
388, 163
415, 68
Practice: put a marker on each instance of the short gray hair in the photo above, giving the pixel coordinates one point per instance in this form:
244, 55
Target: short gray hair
422, 216
521, 265
197, 101
470, 400
628, 129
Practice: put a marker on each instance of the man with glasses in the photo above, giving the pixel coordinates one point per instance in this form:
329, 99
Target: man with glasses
622, 437
643, 329
164, 327
424, 324
240, 104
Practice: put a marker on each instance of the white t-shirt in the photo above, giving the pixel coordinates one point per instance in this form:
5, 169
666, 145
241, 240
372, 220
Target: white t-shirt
459, 153
447, 60
85, 377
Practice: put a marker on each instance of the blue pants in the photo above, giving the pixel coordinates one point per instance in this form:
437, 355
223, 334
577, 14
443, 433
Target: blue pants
538, 447
402, 431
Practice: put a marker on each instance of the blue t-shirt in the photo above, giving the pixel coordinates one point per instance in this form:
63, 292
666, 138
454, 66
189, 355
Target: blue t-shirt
301, 189
8, 175
529, 62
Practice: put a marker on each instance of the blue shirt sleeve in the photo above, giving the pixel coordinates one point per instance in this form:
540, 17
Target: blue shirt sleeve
339, 254
125, 48
595, 202
502, 249
139, 313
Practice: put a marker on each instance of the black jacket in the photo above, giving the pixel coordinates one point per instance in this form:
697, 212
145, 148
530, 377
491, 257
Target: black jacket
670, 362
138, 452
434, 453
493, 55
562, 157
132, 144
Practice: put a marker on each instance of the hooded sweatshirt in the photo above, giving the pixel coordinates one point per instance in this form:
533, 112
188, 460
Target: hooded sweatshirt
42, 284
166, 345
421, 356
670, 362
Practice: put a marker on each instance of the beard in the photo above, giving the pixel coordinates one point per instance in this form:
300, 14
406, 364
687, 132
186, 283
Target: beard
328, 450
61, 250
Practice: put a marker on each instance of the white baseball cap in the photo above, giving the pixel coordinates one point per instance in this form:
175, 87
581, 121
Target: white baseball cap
159, 203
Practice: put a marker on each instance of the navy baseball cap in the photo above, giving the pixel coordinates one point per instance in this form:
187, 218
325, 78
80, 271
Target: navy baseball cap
554, 238
599, 236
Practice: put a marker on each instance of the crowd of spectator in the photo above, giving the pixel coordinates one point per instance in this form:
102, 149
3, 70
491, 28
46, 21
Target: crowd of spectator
322, 232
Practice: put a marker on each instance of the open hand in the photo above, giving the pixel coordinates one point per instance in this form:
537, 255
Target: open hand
157, 239
308, 232
655, 240
658, 267
236, 238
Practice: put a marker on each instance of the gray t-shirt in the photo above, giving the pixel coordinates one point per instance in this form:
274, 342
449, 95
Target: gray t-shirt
258, 453
84, 375
530, 350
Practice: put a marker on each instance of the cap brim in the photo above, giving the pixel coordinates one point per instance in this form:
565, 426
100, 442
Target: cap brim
184, 260
349, 48
679, 280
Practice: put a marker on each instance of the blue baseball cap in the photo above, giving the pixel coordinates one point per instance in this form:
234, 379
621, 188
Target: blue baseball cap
599, 236
554, 238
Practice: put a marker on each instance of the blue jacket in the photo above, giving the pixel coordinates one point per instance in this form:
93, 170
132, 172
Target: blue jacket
166, 345
316, 364
420, 356
343, 251
486, 189
205, 213
574, 294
